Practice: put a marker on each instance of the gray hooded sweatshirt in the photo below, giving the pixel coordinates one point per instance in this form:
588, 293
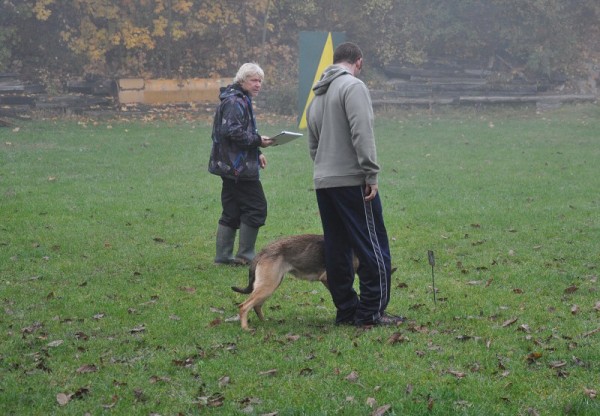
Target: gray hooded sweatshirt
340, 131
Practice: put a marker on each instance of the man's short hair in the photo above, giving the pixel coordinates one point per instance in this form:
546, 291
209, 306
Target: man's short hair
248, 70
347, 52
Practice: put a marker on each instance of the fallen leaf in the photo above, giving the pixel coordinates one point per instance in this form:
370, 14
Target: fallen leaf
291, 337
156, 379
396, 338
188, 289
381, 410
138, 329
113, 401
590, 393
509, 322
574, 310
270, 373
224, 381
592, 332
533, 357
571, 289
56, 343
63, 399
87, 368
215, 322
457, 374
187, 362
80, 393
371, 402
234, 318
139, 395
82, 336
558, 364
352, 377
463, 337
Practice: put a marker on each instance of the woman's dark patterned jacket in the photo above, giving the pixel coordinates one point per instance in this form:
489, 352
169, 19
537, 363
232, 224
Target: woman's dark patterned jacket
236, 142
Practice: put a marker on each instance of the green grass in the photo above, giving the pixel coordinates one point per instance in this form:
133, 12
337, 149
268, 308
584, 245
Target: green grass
109, 295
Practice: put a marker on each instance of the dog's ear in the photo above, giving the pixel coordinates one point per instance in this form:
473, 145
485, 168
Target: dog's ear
393, 270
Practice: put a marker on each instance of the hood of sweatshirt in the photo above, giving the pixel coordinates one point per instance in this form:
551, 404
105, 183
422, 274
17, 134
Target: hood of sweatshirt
331, 72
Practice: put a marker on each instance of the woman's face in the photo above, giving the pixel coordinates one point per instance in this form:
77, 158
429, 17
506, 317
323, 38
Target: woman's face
252, 85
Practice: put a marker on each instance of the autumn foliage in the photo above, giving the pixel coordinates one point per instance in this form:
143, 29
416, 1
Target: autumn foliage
205, 38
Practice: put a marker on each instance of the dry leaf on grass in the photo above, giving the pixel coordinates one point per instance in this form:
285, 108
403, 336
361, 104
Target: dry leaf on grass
63, 398
533, 357
381, 410
571, 289
87, 368
352, 377
224, 381
509, 322
592, 332
113, 401
590, 393
215, 322
56, 343
396, 338
156, 379
138, 329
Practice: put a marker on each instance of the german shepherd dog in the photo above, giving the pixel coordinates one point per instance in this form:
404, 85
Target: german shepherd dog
301, 255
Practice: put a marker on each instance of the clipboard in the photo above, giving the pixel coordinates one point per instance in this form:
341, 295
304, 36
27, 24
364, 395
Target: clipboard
285, 137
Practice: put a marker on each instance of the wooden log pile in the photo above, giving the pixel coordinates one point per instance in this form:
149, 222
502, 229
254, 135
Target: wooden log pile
452, 82
82, 95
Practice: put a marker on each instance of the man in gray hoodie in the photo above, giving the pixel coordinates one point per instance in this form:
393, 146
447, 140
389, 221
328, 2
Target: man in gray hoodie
342, 146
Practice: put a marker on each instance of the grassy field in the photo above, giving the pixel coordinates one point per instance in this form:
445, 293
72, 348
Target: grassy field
111, 304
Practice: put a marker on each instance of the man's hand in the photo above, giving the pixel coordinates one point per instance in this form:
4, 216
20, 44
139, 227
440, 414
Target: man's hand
371, 192
262, 161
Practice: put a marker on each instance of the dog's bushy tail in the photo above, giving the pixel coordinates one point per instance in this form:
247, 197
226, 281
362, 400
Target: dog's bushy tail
250, 287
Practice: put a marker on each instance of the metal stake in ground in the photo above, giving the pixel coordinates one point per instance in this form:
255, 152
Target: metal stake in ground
431, 258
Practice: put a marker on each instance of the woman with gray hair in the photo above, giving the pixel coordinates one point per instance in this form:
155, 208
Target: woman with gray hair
236, 157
